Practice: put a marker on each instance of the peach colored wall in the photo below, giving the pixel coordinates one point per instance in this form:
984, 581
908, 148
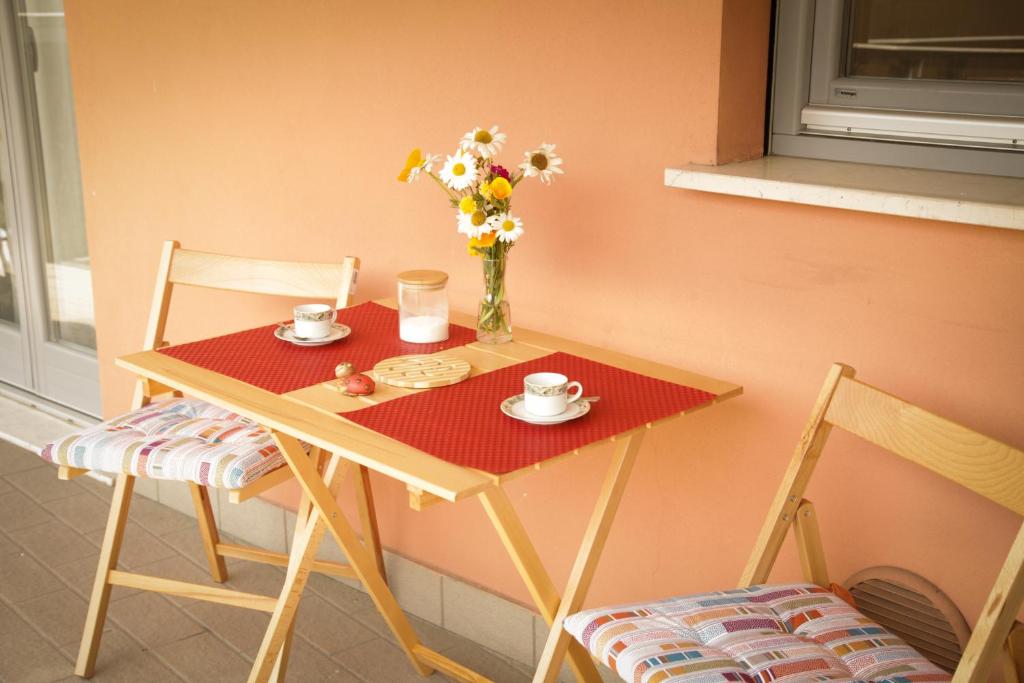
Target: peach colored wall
276, 129
743, 51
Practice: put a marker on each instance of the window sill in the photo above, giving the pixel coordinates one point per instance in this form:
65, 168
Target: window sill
993, 201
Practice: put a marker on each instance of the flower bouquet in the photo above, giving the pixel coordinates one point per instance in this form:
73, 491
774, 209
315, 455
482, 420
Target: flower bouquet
480, 191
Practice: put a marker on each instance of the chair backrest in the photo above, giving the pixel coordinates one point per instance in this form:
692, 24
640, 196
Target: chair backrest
258, 276
220, 271
962, 455
973, 460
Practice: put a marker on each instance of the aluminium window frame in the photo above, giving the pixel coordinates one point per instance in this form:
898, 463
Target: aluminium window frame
807, 76
830, 87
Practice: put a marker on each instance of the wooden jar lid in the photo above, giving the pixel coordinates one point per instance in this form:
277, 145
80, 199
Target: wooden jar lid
423, 279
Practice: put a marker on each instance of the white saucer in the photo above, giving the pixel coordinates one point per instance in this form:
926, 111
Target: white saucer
515, 407
287, 333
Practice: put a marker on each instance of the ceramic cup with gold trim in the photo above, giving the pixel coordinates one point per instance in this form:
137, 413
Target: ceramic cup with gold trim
547, 393
313, 321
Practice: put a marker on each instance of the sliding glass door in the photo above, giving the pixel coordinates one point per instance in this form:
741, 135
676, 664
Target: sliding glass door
47, 329
14, 358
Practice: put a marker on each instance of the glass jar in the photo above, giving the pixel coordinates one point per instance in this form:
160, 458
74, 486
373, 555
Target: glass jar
423, 306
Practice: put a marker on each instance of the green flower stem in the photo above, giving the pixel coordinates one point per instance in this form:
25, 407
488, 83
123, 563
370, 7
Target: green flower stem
492, 317
451, 195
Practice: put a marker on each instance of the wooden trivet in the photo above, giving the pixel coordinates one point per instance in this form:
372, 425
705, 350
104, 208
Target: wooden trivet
421, 371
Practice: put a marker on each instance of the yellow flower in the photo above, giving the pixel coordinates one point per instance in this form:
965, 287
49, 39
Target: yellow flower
414, 160
485, 190
482, 242
501, 188
467, 204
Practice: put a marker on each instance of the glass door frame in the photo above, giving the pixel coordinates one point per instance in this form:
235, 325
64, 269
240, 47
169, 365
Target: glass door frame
16, 340
60, 372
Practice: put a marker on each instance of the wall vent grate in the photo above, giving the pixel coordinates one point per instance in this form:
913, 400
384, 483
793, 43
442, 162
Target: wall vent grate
914, 609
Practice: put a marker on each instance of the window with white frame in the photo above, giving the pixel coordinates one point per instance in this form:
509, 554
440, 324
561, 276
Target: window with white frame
920, 83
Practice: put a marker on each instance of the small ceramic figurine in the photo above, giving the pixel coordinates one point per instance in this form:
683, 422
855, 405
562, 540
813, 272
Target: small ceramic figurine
358, 384
343, 370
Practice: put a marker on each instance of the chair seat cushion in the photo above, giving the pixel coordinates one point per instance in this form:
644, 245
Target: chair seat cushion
180, 439
798, 632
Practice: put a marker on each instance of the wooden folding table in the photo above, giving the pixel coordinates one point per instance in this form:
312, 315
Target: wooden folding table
311, 414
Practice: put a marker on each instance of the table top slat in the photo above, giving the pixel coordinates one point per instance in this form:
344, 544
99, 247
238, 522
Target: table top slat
463, 425
528, 341
311, 413
333, 401
320, 428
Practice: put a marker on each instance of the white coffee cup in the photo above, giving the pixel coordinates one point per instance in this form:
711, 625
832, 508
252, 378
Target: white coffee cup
313, 321
547, 393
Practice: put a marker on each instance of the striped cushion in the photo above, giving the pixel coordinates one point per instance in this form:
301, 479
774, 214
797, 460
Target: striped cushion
181, 439
795, 632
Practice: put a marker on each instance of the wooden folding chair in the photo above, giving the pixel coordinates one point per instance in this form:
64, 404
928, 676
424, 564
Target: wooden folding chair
968, 458
181, 267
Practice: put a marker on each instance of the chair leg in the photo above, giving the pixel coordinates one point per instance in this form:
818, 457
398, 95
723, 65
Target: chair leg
208, 532
100, 598
1013, 667
808, 543
368, 519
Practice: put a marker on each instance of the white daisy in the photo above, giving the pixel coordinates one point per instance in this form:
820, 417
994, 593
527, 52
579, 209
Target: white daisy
542, 162
473, 224
484, 142
508, 227
459, 171
429, 160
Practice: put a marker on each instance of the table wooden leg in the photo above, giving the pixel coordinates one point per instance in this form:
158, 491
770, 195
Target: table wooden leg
321, 459
589, 554
368, 519
360, 559
274, 649
513, 535
281, 665
302, 515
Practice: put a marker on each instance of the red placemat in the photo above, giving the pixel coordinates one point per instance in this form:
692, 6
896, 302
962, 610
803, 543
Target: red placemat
464, 425
258, 358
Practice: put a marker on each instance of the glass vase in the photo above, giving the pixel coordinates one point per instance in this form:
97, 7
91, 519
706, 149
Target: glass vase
494, 321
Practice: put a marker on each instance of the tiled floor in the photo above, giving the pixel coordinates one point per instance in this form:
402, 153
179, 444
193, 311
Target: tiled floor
50, 532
